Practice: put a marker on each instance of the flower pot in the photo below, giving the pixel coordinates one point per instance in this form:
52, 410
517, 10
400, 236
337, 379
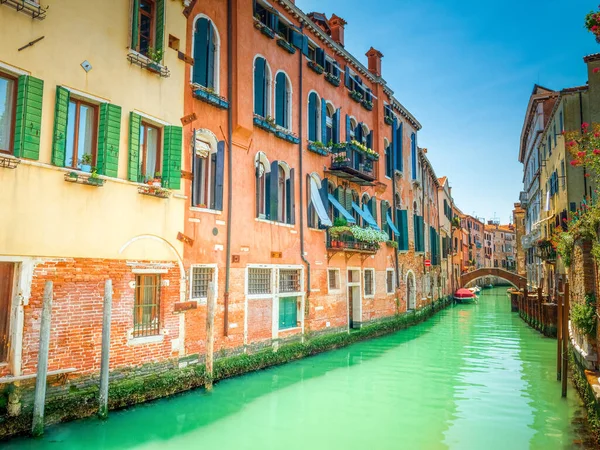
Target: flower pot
86, 168
153, 67
156, 184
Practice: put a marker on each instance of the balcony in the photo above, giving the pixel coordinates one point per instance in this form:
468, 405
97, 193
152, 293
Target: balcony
349, 245
353, 164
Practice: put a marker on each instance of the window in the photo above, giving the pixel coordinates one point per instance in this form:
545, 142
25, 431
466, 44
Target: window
208, 171
561, 122
261, 189
200, 277
356, 200
259, 281
283, 101
284, 194
554, 132
205, 54
288, 312
333, 279
329, 133
289, 280
413, 155
266, 16
81, 137
146, 310
8, 103
262, 83
369, 279
331, 67
313, 117
549, 145
389, 281
388, 159
7, 272
146, 29
150, 154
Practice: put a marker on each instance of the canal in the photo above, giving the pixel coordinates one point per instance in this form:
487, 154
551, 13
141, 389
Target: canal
472, 377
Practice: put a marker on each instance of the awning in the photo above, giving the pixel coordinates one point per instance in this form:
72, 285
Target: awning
391, 224
315, 196
341, 209
366, 216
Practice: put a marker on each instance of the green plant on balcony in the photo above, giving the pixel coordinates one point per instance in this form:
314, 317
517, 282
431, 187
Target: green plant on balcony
370, 235
388, 120
356, 96
564, 248
592, 24
392, 244
283, 43
331, 78
363, 148
367, 104
340, 222
315, 67
583, 315
547, 249
340, 159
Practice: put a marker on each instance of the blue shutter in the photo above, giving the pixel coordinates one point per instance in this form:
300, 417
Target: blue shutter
413, 155
324, 193
347, 79
290, 201
280, 98
274, 21
323, 121
399, 156
373, 209
336, 69
259, 87
348, 127
370, 140
394, 149
300, 41
219, 175
201, 52
336, 126
273, 190
210, 57
358, 133
320, 56
402, 223
312, 117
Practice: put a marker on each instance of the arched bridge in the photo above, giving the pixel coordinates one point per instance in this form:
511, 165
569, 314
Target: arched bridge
517, 280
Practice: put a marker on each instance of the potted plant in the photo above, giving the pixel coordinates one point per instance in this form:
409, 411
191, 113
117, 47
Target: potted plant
86, 162
94, 178
155, 57
157, 181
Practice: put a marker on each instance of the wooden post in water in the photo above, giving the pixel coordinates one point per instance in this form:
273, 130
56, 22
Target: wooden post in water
559, 325
565, 340
210, 335
105, 356
37, 427
526, 301
539, 301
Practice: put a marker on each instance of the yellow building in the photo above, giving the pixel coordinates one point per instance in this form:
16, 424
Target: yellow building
91, 102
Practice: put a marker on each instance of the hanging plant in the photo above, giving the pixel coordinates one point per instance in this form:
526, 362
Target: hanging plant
369, 235
592, 24
564, 247
583, 315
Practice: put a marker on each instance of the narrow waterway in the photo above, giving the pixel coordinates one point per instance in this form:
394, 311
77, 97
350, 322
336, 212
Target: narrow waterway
472, 377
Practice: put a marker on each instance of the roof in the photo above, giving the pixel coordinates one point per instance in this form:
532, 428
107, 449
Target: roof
592, 57
538, 94
442, 181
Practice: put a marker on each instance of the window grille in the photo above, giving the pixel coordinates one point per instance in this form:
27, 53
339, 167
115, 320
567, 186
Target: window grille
390, 282
146, 310
334, 279
259, 281
201, 277
289, 280
369, 282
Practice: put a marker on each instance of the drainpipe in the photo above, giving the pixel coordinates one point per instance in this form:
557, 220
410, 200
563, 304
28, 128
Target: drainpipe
300, 184
229, 164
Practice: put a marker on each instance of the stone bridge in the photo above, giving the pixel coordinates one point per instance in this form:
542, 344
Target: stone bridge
516, 280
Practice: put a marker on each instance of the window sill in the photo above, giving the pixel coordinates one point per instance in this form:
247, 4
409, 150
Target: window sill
9, 161
146, 340
144, 62
274, 222
290, 329
84, 178
211, 98
369, 296
216, 212
334, 291
154, 191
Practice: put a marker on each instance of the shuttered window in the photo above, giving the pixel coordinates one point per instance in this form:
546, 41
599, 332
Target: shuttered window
7, 272
109, 137
313, 117
82, 129
146, 310
173, 139
27, 117
413, 155
208, 172
204, 53
148, 26
288, 312
8, 106
402, 221
282, 101
261, 88
388, 162
150, 153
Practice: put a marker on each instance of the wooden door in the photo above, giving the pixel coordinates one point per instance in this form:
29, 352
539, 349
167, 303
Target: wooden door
6, 287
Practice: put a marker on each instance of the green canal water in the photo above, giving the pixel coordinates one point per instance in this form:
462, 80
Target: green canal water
472, 377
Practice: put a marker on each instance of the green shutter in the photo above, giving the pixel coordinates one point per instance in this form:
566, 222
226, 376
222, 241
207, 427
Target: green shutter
59, 136
28, 117
160, 25
135, 14
402, 221
109, 134
135, 122
171, 174
287, 312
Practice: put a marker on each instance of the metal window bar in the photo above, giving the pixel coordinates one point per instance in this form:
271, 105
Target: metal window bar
201, 276
259, 281
146, 311
390, 281
368, 282
334, 279
289, 280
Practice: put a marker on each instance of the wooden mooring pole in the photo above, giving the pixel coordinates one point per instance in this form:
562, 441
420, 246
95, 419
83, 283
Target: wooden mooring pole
565, 340
539, 302
559, 325
104, 359
37, 427
210, 335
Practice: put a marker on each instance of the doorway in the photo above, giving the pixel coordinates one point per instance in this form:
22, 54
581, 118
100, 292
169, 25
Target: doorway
7, 271
354, 299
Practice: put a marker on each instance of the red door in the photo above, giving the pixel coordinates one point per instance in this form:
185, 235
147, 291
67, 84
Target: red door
6, 286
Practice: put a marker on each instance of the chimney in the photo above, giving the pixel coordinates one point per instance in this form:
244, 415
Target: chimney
374, 61
337, 29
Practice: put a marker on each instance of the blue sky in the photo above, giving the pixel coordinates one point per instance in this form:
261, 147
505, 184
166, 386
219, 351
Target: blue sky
465, 70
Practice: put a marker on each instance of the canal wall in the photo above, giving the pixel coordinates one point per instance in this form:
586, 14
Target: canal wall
538, 314
588, 387
73, 399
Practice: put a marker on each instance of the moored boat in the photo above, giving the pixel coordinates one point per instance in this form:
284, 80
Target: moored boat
465, 296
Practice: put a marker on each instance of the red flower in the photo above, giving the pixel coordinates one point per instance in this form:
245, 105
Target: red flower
564, 219
596, 151
571, 143
581, 154
596, 69
584, 125
596, 134
574, 162
594, 28
587, 175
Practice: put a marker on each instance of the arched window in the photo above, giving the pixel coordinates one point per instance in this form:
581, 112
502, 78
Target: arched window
283, 101
388, 158
206, 55
364, 134
208, 161
262, 81
263, 168
353, 128
314, 132
329, 124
